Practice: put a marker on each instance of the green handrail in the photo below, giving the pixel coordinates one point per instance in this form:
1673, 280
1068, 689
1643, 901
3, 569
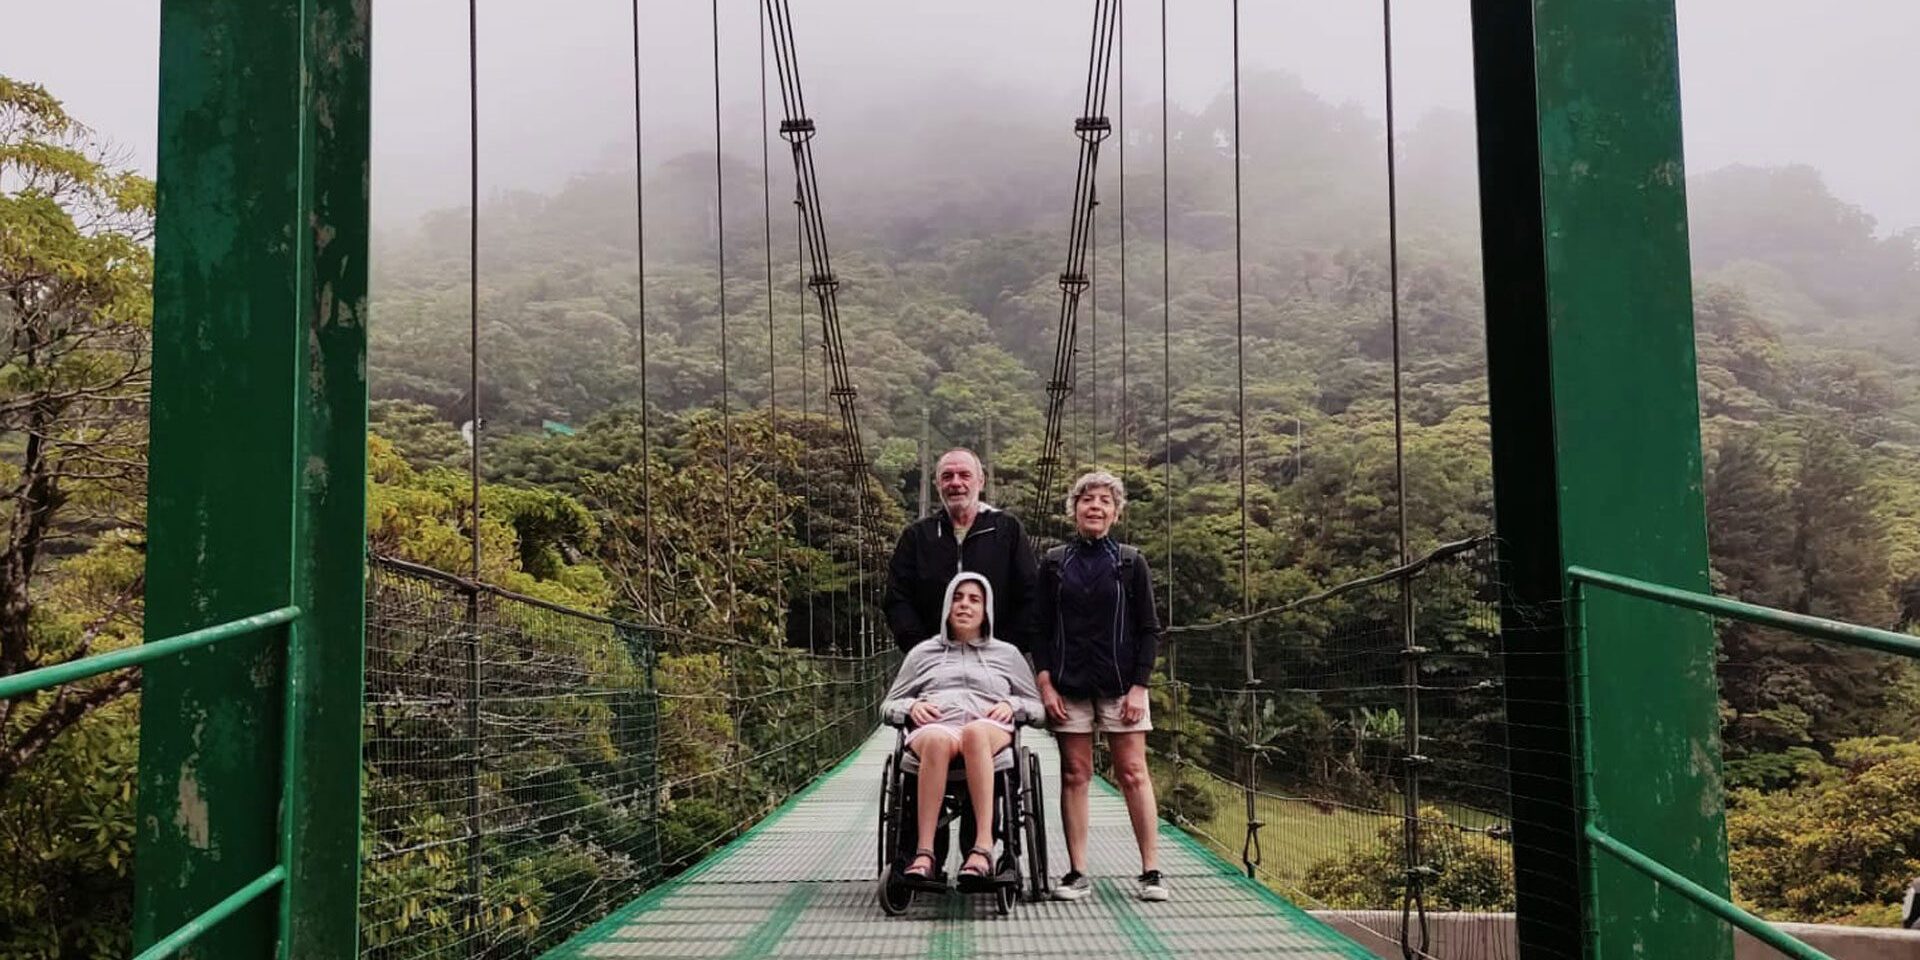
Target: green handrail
53, 676
1820, 628
1816, 627
192, 929
62, 673
1714, 903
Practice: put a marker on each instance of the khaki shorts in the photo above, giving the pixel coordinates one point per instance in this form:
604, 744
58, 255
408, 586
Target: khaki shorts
1100, 715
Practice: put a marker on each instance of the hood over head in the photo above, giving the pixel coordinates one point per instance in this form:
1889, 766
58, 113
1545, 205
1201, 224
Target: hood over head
946, 604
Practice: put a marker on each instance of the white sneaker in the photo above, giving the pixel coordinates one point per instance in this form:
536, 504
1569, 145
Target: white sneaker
1072, 886
1152, 888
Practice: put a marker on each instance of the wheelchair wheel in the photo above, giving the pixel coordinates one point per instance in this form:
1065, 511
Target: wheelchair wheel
1039, 881
895, 897
888, 838
1003, 897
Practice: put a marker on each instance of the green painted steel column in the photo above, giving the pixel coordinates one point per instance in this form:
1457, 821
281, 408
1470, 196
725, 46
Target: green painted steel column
1597, 462
321, 810
256, 490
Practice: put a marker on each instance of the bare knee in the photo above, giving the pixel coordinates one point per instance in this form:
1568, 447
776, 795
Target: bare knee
1076, 772
934, 746
1132, 774
975, 736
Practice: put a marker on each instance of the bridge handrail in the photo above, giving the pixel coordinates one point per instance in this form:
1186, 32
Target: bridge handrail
1817, 628
1405, 570
652, 628
34, 681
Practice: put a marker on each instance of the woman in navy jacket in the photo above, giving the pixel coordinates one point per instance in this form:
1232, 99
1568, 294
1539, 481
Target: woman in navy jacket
1094, 659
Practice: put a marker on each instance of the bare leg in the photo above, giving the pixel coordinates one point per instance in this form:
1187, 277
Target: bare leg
935, 751
1076, 774
979, 741
1136, 784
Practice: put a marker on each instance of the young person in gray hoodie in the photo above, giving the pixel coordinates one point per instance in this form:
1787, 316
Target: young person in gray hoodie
962, 691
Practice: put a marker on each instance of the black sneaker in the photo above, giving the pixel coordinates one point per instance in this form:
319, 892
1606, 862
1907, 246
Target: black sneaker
1152, 888
1072, 886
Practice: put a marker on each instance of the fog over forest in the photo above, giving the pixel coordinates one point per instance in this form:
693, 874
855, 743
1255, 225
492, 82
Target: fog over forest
1765, 82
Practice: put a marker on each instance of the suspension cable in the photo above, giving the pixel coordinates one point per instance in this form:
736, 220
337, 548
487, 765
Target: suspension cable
475, 885
1092, 127
640, 249
1092, 437
1166, 311
1120, 408
1166, 409
798, 129
1250, 848
473, 273
1413, 900
806, 413
720, 259
773, 386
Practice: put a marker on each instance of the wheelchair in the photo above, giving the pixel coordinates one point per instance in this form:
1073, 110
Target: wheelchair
1019, 825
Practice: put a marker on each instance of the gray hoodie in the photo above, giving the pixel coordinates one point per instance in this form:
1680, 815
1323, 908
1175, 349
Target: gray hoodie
970, 676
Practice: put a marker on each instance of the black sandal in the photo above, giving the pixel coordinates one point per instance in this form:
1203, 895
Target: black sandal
974, 880
925, 880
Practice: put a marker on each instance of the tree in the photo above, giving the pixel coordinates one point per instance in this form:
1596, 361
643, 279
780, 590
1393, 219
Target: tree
75, 319
1841, 847
1471, 872
75, 316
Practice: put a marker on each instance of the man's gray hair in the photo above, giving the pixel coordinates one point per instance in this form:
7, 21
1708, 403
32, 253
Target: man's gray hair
1098, 478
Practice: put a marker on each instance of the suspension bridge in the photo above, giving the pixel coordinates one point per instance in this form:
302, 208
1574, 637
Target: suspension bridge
344, 755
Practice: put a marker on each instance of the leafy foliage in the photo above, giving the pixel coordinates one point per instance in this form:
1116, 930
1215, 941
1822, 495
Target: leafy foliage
1841, 846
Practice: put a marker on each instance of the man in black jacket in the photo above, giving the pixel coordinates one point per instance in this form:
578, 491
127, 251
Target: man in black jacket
965, 535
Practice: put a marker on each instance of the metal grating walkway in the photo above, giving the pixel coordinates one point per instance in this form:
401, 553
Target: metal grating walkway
801, 884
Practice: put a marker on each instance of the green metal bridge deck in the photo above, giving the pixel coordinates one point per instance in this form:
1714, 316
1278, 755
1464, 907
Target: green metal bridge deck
802, 884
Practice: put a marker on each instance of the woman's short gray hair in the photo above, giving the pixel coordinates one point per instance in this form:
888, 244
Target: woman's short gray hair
1098, 478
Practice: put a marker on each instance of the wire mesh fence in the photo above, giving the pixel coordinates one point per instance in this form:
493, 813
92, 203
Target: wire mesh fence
1350, 749
530, 768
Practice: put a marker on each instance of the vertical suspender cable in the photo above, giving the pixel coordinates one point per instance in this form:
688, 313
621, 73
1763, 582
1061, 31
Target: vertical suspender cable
720, 250
473, 273
1120, 408
646, 450
1414, 897
1166, 310
806, 491
1166, 398
1092, 437
1250, 850
1091, 127
798, 129
474, 741
640, 264
773, 385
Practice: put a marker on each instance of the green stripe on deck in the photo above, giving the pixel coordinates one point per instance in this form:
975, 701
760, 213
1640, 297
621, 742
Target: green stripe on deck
1146, 943
801, 884
576, 946
772, 930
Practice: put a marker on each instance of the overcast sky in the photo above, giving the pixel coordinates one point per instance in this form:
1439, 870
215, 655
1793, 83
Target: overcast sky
1764, 81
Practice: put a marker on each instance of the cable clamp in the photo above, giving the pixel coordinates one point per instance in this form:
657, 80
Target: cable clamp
1074, 282
1414, 652
823, 281
1418, 759
796, 126
847, 392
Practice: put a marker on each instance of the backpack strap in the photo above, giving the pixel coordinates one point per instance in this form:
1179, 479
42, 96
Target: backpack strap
1128, 555
1055, 555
